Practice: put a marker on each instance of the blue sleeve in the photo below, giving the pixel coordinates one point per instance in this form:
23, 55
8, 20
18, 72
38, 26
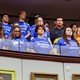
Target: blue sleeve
60, 42
33, 27
11, 28
29, 29
48, 34
33, 33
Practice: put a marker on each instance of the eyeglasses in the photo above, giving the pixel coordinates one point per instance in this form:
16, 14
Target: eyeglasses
17, 30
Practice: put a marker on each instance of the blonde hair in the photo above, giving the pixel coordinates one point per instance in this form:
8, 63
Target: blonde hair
13, 30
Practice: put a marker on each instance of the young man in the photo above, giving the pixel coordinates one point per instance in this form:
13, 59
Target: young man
58, 30
25, 27
6, 27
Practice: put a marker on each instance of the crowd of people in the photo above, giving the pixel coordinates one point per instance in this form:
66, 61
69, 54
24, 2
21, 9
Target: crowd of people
38, 38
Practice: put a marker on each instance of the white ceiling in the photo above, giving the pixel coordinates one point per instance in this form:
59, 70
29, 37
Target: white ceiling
68, 9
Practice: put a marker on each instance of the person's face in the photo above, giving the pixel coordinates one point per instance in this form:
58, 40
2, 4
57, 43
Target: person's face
17, 32
78, 31
5, 19
22, 16
59, 22
68, 31
40, 31
39, 21
74, 28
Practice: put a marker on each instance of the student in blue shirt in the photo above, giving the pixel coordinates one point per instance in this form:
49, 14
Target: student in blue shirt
6, 27
18, 43
40, 44
33, 34
25, 27
68, 45
67, 39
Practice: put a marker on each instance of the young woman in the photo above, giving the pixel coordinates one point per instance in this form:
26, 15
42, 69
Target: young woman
40, 44
18, 43
67, 39
77, 35
68, 45
74, 28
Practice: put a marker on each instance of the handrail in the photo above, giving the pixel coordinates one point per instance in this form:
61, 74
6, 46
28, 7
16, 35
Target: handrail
36, 56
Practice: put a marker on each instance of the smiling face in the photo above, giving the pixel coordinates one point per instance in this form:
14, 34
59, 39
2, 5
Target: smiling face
68, 32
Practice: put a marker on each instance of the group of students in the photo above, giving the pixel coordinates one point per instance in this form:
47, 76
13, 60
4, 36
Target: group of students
37, 38
21, 36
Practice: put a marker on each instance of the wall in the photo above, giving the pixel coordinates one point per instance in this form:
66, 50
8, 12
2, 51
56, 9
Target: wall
24, 67
11, 64
42, 67
69, 69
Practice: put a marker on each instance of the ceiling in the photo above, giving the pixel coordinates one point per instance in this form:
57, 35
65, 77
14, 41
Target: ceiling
68, 9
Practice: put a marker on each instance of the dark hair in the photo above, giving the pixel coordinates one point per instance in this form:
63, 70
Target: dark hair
2, 32
37, 27
21, 12
73, 24
13, 30
65, 37
4, 14
59, 17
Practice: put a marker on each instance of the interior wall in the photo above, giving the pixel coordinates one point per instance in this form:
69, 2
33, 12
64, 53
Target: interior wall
42, 67
69, 69
24, 67
7, 63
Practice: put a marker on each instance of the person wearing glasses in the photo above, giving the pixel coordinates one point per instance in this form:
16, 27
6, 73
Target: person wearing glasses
18, 43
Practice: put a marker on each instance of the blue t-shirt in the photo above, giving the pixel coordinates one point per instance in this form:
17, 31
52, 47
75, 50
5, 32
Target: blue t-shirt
33, 27
25, 27
40, 45
63, 43
18, 44
7, 30
34, 34
70, 49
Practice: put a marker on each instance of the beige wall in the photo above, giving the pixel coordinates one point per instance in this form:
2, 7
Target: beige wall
24, 67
